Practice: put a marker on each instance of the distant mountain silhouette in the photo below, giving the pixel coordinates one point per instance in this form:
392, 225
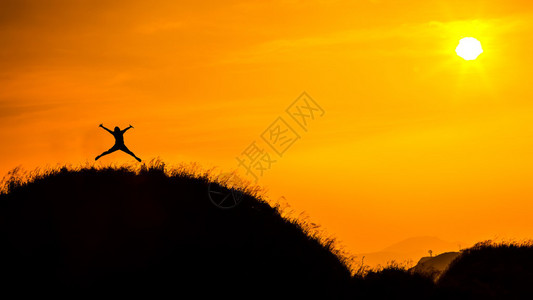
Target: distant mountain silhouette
411, 249
421, 244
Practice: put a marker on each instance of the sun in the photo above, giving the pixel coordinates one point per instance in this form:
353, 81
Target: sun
469, 48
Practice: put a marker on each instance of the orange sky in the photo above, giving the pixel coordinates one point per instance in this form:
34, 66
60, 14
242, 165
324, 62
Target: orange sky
414, 141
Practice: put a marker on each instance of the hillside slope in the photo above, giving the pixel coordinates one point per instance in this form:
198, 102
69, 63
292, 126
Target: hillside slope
491, 271
115, 229
123, 233
434, 266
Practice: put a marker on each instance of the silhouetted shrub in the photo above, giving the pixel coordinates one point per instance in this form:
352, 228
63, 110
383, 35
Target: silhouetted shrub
393, 282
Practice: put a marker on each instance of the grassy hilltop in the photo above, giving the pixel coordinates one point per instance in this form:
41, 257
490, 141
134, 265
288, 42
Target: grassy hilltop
149, 231
126, 230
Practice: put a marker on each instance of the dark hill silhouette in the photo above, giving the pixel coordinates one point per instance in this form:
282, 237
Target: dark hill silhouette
492, 271
96, 230
436, 265
118, 232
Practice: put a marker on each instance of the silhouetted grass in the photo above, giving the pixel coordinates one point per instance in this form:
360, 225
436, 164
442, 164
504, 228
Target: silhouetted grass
492, 271
153, 229
147, 228
394, 282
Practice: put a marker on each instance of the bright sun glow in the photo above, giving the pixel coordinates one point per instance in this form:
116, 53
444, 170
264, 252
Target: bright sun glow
469, 48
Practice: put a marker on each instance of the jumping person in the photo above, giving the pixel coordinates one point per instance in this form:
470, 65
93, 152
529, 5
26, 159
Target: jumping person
119, 142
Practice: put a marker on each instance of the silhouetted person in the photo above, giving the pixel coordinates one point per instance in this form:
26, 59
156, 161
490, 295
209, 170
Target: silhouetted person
119, 142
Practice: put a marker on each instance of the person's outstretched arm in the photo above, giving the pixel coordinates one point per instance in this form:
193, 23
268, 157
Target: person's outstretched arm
126, 129
102, 125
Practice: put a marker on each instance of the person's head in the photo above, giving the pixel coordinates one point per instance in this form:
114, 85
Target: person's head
117, 129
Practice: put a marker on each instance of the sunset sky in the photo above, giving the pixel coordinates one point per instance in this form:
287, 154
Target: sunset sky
414, 141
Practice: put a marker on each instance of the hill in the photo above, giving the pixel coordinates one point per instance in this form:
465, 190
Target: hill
119, 232
124, 231
436, 265
491, 271
408, 250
